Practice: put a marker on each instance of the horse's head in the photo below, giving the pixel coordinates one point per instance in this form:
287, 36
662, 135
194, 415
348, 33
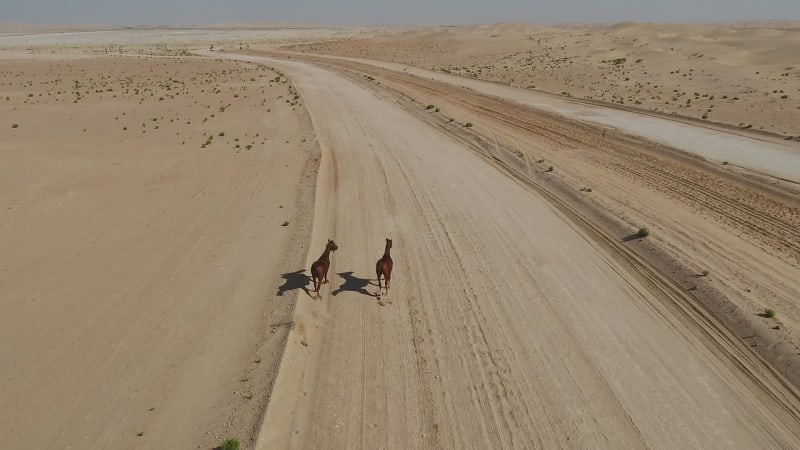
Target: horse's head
332, 245
388, 243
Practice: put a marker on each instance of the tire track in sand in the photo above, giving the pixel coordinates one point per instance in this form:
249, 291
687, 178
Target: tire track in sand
536, 336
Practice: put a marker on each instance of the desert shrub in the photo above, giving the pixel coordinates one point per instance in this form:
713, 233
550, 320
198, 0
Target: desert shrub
431, 106
230, 444
706, 272
769, 312
469, 125
549, 169
14, 125
643, 232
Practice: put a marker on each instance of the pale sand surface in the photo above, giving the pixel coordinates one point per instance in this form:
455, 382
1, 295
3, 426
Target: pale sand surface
734, 74
777, 157
705, 217
139, 272
506, 326
149, 287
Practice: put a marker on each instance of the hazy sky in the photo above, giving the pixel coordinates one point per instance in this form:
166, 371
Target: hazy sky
422, 12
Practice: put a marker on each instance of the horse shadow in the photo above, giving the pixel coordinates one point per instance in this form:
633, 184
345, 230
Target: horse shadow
294, 280
353, 283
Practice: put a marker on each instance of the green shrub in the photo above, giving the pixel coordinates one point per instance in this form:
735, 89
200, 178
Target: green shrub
706, 272
15, 125
469, 125
431, 106
230, 444
643, 232
769, 313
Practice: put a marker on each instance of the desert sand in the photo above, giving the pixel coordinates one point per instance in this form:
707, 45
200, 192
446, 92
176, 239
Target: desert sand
142, 242
744, 76
159, 215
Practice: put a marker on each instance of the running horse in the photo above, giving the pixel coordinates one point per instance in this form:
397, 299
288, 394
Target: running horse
319, 270
384, 267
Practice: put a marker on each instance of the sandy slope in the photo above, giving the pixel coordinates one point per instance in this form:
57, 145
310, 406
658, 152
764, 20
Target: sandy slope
506, 326
139, 271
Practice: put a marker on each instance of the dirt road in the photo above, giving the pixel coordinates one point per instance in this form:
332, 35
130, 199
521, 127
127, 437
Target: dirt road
776, 157
507, 326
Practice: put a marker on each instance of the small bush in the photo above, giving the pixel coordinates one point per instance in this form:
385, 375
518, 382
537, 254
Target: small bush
469, 125
230, 444
431, 106
769, 313
643, 232
221, 134
706, 272
437, 109
549, 169
15, 125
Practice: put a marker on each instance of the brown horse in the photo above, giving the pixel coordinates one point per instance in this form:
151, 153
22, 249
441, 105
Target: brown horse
384, 267
319, 270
